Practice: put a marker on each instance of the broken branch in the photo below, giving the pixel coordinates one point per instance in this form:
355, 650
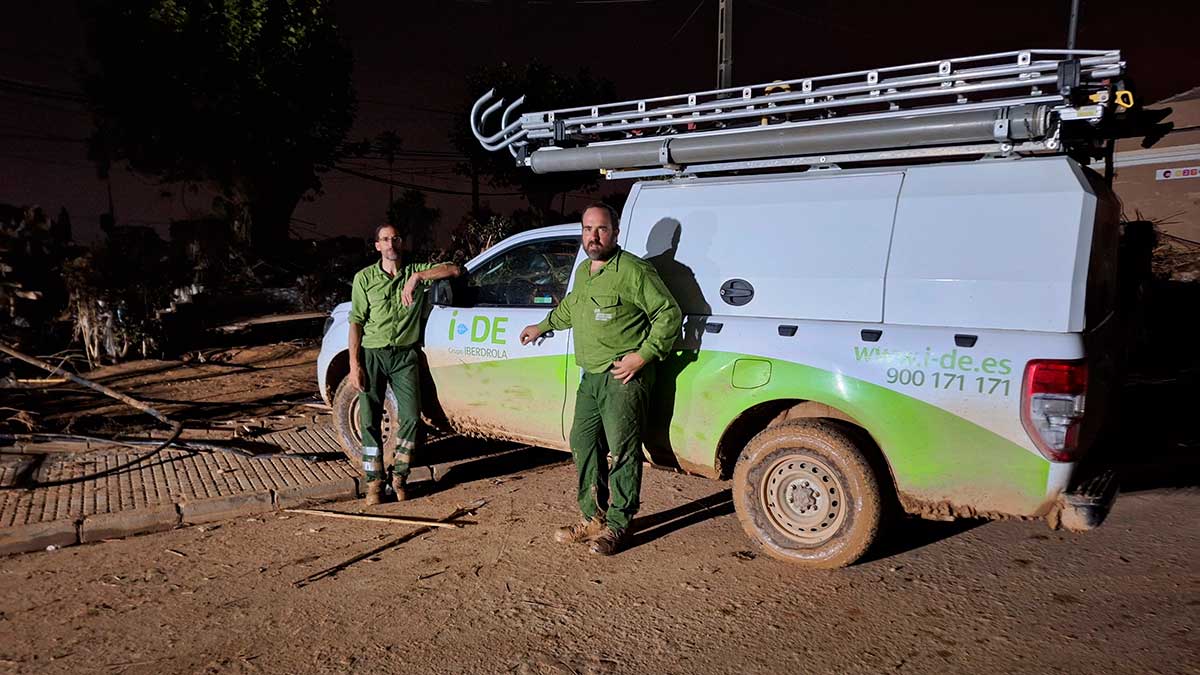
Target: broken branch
176, 427
132, 402
379, 519
330, 571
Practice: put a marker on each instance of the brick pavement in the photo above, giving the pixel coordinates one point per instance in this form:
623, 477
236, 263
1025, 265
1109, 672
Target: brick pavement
174, 487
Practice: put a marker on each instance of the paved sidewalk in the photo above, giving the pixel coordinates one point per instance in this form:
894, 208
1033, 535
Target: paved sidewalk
173, 488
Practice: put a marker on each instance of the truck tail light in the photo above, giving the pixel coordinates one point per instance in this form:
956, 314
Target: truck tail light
1052, 405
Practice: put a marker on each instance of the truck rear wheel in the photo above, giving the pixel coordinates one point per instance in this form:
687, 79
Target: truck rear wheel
345, 421
805, 492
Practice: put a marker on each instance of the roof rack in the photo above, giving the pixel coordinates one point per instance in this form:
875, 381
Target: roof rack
986, 105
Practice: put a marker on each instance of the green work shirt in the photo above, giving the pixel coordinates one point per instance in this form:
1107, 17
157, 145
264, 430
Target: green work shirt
375, 305
624, 307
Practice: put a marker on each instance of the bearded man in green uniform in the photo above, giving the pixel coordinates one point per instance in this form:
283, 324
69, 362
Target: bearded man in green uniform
386, 301
624, 320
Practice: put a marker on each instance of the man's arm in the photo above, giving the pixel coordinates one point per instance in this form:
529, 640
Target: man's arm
357, 377
442, 271
652, 297
559, 318
666, 319
359, 311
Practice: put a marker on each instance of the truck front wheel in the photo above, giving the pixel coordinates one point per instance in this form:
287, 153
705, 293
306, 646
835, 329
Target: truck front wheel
346, 423
805, 492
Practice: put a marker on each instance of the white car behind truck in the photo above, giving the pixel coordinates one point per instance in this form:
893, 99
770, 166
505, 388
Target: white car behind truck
928, 334
850, 337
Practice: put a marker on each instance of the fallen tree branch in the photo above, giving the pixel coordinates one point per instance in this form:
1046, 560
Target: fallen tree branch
176, 427
330, 571
131, 402
379, 519
40, 380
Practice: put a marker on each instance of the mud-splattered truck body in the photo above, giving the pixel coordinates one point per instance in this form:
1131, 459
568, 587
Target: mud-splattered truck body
933, 336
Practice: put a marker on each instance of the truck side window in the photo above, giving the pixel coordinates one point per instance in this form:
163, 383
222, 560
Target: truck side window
530, 275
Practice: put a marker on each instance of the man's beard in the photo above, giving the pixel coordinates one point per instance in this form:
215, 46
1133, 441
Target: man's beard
599, 252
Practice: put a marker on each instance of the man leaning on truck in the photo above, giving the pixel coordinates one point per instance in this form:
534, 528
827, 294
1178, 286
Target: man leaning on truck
385, 328
624, 320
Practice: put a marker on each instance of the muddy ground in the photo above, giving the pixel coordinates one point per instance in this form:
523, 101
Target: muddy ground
267, 385
499, 595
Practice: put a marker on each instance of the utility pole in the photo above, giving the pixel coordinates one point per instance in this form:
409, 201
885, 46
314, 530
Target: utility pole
725, 44
1074, 24
388, 144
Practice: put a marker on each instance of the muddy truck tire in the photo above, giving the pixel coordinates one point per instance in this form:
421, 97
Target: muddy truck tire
345, 421
806, 493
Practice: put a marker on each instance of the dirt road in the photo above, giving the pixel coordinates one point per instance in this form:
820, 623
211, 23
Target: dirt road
499, 596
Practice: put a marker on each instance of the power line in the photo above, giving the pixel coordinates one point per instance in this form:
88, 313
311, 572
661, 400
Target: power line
308, 226
41, 91
798, 15
43, 137
46, 105
41, 55
687, 21
422, 188
408, 106
431, 154
377, 158
44, 160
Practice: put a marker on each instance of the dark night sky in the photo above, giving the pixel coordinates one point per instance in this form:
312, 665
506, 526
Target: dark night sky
411, 57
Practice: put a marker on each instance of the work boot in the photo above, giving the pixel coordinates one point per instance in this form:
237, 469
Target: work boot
584, 530
374, 492
398, 486
608, 542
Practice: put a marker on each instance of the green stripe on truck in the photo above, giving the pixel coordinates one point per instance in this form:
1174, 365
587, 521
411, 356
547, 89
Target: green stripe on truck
940, 461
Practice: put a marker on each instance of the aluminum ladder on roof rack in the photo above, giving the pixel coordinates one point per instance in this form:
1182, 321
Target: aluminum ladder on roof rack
991, 104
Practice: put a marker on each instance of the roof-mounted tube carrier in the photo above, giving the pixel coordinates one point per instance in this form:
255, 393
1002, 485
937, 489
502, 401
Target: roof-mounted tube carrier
1008, 98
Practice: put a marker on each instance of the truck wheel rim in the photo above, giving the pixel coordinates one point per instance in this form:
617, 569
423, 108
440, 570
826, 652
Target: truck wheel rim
385, 424
803, 498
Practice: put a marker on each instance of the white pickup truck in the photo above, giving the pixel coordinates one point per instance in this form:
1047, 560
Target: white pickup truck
934, 338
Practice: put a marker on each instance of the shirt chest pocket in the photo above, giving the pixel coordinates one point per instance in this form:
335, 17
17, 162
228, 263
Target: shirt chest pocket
380, 296
606, 308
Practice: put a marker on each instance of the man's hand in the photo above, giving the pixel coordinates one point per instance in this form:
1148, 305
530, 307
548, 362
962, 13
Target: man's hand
627, 366
530, 333
410, 287
358, 378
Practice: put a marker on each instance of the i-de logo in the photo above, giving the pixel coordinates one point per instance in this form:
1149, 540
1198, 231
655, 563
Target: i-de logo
483, 328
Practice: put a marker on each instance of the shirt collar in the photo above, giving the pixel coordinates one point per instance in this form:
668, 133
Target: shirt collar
614, 261
378, 267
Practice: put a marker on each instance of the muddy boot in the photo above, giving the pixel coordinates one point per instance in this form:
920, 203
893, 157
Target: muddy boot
399, 484
608, 542
374, 492
584, 530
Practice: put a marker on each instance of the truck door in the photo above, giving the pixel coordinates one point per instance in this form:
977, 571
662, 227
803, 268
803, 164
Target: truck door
486, 381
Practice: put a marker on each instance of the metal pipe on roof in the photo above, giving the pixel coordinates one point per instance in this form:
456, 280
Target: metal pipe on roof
1018, 123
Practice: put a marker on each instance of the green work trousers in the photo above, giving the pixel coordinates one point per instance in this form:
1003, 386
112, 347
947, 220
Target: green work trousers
610, 415
397, 367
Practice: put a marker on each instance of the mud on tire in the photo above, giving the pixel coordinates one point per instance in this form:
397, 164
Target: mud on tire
345, 421
806, 493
